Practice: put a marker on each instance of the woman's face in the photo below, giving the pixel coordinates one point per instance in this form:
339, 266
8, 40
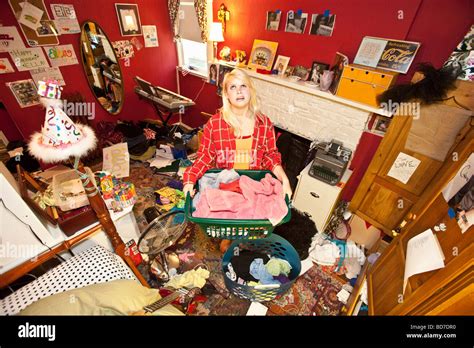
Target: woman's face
238, 93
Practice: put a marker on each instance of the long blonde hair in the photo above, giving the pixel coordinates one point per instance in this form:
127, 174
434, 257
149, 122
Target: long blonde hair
226, 110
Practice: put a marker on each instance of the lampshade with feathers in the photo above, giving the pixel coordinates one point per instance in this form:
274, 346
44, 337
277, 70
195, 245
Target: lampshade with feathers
60, 138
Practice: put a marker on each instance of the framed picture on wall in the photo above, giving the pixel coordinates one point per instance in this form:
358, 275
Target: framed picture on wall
129, 19
25, 92
263, 54
380, 124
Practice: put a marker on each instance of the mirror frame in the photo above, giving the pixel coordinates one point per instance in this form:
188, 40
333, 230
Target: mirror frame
122, 87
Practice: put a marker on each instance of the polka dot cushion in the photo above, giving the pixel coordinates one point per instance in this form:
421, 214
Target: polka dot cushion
95, 265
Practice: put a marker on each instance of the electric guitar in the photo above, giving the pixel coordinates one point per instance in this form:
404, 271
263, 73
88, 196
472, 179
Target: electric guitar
181, 297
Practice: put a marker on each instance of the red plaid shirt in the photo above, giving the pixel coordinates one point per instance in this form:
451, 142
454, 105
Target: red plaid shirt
217, 149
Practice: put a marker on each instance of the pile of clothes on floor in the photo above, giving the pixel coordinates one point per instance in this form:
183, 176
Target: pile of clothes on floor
228, 195
170, 197
341, 257
253, 268
146, 142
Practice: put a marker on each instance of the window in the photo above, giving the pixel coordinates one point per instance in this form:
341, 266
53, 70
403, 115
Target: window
193, 54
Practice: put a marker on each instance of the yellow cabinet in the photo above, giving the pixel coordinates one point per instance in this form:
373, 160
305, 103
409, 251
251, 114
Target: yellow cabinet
364, 84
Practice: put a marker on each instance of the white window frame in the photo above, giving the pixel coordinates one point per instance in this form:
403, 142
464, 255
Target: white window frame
210, 50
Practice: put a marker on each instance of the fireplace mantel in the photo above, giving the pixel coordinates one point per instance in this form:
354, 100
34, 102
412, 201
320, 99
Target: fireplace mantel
309, 112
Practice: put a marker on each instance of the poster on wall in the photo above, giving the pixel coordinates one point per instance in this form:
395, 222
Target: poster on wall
28, 58
25, 92
28, 12
44, 74
61, 55
10, 39
322, 24
68, 26
296, 22
404, 167
123, 49
393, 55
30, 15
63, 11
370, 51
5, 66
65, 19
463, 56
150, 35
398, 55
273, 20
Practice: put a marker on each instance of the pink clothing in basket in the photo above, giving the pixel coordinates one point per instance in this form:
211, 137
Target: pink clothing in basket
262, 199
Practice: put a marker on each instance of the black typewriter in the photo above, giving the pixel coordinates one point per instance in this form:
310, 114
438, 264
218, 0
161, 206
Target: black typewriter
330, 162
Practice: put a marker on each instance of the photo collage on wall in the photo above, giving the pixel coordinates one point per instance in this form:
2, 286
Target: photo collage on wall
296, 22
27, 54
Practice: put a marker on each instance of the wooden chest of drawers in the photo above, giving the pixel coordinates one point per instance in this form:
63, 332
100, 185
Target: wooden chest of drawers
363, 84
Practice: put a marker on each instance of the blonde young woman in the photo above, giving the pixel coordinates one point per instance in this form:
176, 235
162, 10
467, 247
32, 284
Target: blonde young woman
238, 136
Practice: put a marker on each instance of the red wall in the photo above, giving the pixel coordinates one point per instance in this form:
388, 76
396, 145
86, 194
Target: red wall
8, 127
156, 64
438, 25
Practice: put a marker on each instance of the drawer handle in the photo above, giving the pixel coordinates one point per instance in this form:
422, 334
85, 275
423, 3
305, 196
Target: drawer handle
314, 194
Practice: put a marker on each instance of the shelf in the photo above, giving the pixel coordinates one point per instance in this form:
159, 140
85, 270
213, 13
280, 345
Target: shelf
301, 86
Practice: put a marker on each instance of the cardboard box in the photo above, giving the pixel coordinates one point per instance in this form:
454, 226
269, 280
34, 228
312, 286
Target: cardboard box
363, 233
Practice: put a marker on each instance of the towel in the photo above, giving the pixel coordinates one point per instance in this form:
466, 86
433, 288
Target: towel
262, 199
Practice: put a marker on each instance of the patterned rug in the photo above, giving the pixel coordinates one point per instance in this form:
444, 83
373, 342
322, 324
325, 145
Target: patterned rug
314, 293
194, 246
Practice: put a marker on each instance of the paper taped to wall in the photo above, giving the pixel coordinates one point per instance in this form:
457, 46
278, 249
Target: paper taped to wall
403, 167
423, 254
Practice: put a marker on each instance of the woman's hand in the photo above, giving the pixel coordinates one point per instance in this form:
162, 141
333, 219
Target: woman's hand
280, 174
189, 188
287, 188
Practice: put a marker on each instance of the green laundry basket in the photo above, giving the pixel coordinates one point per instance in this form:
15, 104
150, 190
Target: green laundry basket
235, 229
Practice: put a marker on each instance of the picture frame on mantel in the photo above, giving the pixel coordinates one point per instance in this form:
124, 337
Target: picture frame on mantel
129, 19
263, 54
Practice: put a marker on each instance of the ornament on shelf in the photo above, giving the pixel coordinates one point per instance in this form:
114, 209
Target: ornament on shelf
224, 54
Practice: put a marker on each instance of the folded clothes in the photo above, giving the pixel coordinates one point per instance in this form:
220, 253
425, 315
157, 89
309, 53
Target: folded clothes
262, 199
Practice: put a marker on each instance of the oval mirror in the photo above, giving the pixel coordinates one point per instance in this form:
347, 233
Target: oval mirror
101, 68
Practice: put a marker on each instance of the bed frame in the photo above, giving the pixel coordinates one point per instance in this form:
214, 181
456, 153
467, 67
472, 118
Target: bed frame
105, 223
